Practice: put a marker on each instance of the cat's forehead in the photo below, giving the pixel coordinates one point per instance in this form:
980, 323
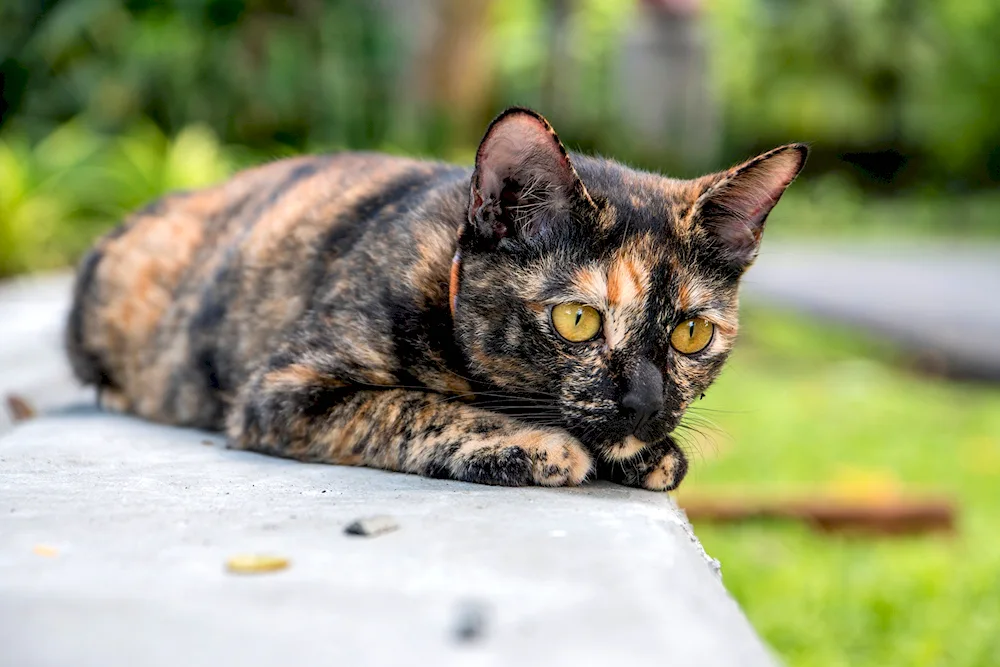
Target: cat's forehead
636, 201
643, 240
646, 268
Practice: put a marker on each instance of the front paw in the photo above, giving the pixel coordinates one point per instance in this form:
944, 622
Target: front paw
667, 472
659, 466
557, 458
524, 457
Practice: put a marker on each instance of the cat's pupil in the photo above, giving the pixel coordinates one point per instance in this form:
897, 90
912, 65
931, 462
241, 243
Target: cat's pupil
691, 329
579, 316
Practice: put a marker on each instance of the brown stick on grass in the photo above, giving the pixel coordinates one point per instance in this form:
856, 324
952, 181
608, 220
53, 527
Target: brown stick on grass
893, 516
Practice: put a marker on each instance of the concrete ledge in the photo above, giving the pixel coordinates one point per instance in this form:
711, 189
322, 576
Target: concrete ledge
115, 533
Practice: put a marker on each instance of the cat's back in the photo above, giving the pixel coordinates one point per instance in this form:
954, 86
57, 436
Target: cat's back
198, 283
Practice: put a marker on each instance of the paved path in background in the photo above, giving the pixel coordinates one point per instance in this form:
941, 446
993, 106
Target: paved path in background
940, 301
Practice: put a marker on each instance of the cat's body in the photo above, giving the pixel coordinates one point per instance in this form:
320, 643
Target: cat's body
316, 308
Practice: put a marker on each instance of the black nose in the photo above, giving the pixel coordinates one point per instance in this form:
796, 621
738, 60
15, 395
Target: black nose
644, 398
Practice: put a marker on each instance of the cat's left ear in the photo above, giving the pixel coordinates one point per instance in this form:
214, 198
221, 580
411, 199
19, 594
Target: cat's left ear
524, 182
735, 206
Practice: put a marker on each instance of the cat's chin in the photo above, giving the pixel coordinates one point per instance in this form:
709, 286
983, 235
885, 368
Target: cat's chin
624, 449
615, 447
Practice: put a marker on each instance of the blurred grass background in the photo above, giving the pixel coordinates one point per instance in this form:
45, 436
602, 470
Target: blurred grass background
810, 410
108, 103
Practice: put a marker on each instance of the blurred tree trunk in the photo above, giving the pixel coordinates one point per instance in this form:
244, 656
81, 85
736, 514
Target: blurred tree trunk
559, 69
666, 101
448, 73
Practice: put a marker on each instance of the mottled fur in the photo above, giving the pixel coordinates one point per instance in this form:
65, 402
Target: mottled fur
304, 308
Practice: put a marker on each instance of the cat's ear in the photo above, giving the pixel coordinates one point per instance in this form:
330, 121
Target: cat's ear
734, 208
524, 182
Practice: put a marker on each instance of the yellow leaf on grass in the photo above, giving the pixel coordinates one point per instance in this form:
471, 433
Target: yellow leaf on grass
851, 483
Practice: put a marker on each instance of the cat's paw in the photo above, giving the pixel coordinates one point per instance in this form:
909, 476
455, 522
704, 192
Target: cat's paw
523, 457
666, 473
657, 466
112, 400
557, 458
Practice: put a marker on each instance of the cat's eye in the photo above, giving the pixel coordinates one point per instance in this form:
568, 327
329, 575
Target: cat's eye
576, 322
692, 335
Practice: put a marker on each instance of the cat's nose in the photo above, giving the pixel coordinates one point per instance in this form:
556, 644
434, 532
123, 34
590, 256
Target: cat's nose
644, 398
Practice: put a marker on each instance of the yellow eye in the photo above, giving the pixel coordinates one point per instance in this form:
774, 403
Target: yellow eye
692, 336
576, 322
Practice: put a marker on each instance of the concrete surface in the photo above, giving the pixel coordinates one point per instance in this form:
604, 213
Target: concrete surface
115, 533
939, 301
32, 363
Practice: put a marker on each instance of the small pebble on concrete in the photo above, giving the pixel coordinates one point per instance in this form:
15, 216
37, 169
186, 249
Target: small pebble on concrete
470, 624
372, 526
19, 408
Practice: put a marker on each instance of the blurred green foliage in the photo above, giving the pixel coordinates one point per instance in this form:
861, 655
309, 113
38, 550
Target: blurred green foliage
900, 95
914, 77
60, 192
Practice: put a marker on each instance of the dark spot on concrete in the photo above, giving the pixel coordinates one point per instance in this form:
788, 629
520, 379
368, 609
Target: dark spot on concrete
372, 526
470, 622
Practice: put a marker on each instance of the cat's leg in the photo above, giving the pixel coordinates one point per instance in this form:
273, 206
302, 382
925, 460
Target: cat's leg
296, 413
658, 466
113, 400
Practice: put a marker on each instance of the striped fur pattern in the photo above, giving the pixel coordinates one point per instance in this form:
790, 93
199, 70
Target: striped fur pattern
369, 310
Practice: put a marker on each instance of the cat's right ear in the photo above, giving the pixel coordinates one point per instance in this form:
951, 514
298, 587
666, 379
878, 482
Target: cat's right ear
736, 203
523, 183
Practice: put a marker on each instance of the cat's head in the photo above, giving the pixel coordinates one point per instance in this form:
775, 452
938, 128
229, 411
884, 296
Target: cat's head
607, 294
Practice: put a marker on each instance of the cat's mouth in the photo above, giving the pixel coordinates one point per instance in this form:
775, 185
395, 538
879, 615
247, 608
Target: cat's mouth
616, 440
608, 434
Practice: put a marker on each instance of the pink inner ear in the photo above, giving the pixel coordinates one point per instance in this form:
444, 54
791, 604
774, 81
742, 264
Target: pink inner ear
753, 191
521, 144
735, 208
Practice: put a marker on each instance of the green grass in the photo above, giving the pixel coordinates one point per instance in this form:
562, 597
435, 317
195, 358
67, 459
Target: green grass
830, 206
806, 410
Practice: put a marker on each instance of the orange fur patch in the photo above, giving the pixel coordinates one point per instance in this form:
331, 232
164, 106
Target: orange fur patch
663, 475
297, 375
456, 269
592, 284
684, 297
625, 282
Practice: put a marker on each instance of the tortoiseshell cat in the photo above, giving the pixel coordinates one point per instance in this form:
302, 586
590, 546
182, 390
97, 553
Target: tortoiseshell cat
538, 320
